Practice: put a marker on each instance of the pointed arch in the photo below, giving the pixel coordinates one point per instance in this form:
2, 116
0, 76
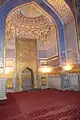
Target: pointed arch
11, 4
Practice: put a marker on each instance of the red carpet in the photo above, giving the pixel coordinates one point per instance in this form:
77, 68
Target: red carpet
41, 105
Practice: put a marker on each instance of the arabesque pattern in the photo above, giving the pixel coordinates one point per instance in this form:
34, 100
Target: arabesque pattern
40, 28
19, 25
63, 10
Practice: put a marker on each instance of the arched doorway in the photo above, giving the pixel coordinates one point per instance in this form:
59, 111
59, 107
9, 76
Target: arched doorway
27, 79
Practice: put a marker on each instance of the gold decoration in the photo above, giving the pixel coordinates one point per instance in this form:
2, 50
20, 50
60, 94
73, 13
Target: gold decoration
63, 9
9, 83
20, 26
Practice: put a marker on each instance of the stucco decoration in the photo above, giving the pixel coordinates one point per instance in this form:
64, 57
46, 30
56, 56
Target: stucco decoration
63, 9
10, 5
19, 25
38, 27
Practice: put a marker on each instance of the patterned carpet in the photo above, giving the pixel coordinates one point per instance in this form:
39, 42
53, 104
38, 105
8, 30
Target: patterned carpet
41, 105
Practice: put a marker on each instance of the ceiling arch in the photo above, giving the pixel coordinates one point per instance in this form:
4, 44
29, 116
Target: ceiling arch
18, 25
40, 26
31, 10
61, 6
63, 9
44, 4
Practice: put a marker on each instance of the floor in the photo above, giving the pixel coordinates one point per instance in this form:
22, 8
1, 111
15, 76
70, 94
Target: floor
41, 105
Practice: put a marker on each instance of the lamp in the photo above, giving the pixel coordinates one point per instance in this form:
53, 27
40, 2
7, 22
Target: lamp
45, 69
68, 67
8, 70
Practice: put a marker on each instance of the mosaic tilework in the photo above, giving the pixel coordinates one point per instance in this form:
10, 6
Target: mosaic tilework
10, 4
41, 28
63, 9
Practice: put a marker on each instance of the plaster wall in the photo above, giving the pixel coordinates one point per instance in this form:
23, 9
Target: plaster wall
71, 37
54, 82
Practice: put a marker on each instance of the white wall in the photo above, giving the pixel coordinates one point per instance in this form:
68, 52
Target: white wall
70, 35
2, 89
74, 81
71, 41
54, 82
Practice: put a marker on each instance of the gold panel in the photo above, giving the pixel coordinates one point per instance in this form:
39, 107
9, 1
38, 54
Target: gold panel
9, 83
43, 81
26, 56
31, 10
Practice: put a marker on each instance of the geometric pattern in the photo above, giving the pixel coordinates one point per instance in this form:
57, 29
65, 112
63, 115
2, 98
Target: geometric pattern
10, 4
18, 25
63, 10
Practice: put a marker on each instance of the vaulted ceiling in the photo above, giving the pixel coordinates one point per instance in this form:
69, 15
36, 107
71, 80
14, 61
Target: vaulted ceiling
31, 11
31, 22
60, 6
62, 9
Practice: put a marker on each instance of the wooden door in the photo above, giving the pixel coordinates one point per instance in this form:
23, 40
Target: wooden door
27, 79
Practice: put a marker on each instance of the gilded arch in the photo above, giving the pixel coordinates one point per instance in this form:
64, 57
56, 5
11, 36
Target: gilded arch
27, 79
10, 4
58, 9
60, 14
50, 7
